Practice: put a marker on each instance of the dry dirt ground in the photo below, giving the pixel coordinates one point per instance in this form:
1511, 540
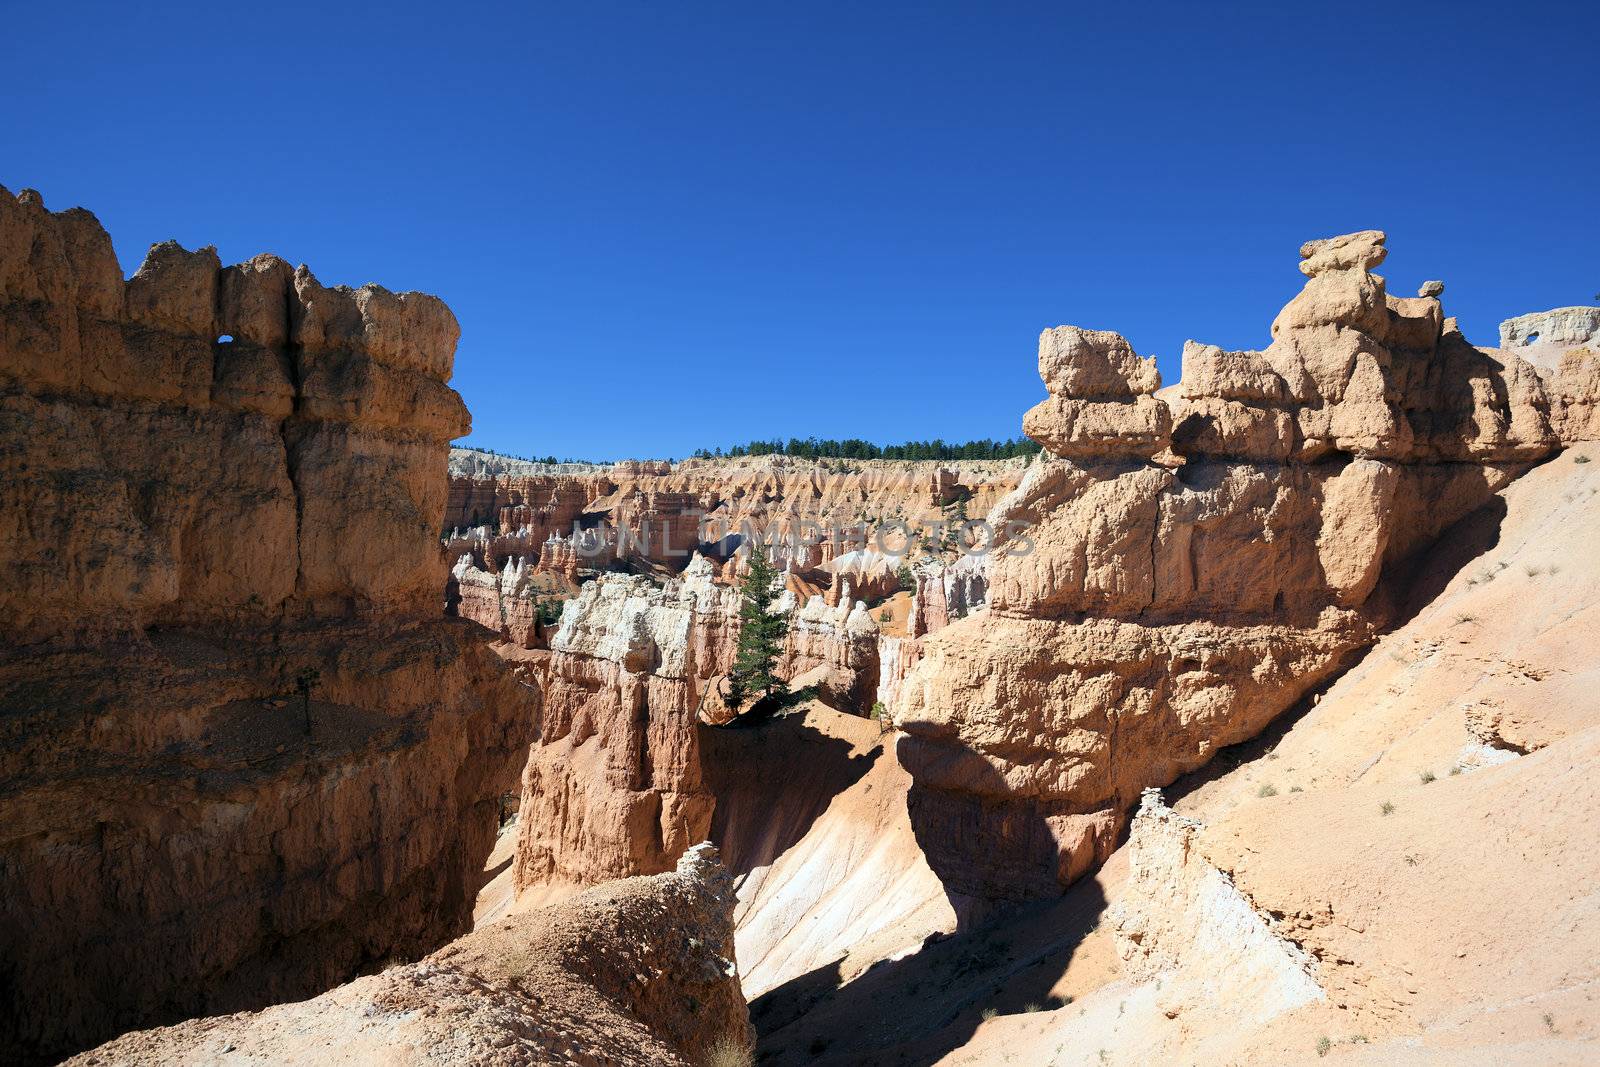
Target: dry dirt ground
634, 972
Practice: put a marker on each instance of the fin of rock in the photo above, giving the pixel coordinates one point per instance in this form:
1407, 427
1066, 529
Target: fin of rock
1183, 922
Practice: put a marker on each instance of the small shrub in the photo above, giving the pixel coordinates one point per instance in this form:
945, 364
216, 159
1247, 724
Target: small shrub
1032, 1006
729, 1052
886, 615
1387, 809
1428, 776
1550, 1022
1580, 459
1455, 770
1323, 1045
1465, 618
989, 1013
1532, 571
1296, 789
1266, 791
1412, 861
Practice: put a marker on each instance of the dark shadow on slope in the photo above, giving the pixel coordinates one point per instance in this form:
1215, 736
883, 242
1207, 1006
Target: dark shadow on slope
1413, 583
990, 848
917, 1009
773, 775
1000, 866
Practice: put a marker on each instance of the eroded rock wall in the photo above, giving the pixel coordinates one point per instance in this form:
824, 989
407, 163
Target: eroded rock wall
614, 785
792, 499
1196, 563
216, 480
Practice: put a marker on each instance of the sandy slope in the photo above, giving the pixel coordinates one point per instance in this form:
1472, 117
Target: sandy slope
1449, 889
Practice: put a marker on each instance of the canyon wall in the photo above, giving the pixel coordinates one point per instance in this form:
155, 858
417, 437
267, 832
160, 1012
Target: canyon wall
523, 506
243, 757
1199, 559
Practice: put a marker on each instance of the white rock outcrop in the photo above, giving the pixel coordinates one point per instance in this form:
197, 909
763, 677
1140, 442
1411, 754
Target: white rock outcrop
1184, 923
1558, 326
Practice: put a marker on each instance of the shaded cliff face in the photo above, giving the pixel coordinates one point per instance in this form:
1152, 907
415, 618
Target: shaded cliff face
637, 972
1197, 562
216, 479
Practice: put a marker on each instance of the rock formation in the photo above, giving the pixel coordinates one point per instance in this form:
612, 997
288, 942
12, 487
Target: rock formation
219, 482
1194, 564
637, 973
1564, 348
1559, 326
1179, 909
666, 509
614, 784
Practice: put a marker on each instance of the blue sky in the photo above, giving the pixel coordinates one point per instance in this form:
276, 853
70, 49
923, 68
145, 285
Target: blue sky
671, 225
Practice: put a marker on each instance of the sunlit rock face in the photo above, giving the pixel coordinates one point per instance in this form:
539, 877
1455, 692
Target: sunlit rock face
218, 480
1196, 561
614, 785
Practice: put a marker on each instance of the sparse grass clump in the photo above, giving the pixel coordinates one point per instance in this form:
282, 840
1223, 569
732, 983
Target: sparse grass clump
1532, 570
729, 1052
1032, 1006
1455, 770
989, 1013
1267, 791
1464, 618
1550, 1022
1296, 789
1580, 459
1387, 809
1323, 1045
1428, 776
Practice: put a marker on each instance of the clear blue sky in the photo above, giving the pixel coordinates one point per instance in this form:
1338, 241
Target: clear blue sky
672, 225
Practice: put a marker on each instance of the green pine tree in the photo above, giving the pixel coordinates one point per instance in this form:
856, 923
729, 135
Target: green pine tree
761, 634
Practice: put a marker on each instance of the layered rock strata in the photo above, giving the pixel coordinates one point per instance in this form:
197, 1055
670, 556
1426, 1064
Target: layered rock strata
829, 508
614, 784
1193, 564
219, 482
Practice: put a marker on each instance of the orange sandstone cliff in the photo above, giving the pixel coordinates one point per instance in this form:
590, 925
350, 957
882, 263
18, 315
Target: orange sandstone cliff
220, 482
1200, 559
